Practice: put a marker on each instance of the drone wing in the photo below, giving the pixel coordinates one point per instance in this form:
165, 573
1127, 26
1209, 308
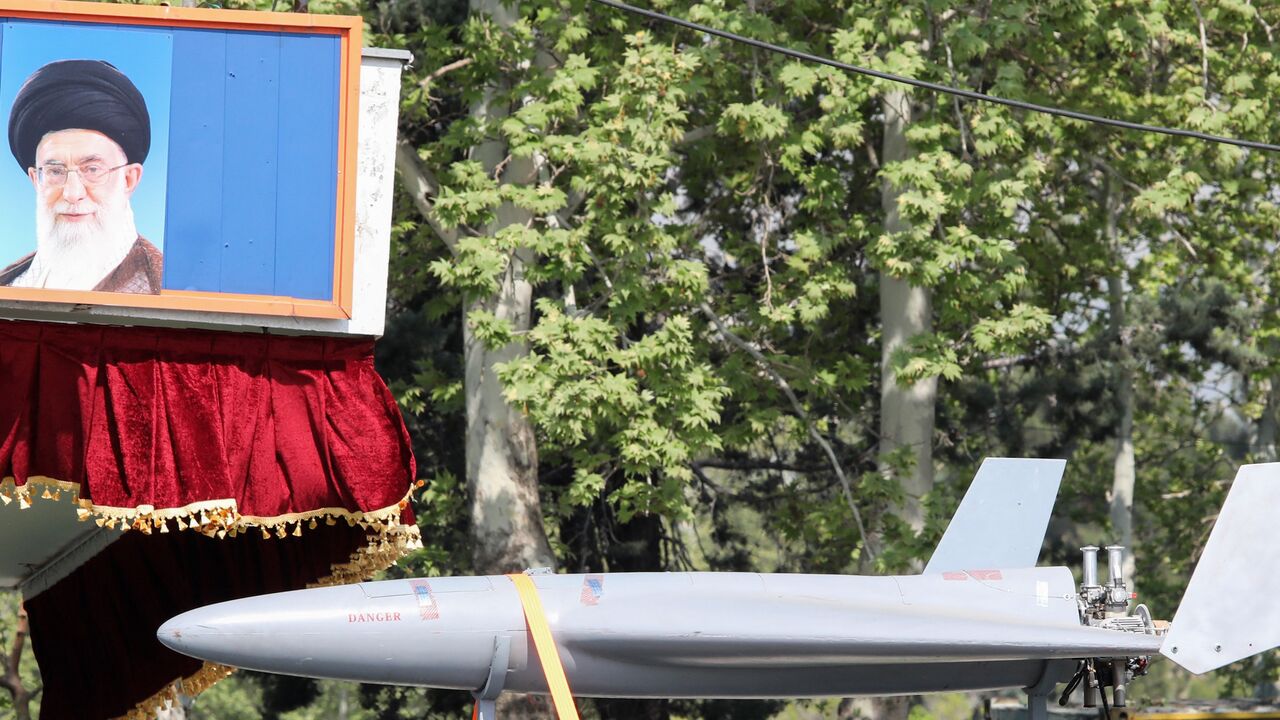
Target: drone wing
1229, 610
1002, 519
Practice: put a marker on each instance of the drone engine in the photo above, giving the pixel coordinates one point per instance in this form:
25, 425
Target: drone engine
1107, 606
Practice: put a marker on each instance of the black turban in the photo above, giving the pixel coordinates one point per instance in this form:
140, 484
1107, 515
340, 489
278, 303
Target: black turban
79, 94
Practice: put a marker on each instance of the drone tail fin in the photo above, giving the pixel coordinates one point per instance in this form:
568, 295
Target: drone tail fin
1001, 521
1229, 610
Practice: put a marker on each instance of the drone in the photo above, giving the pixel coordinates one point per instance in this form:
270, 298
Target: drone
981, 616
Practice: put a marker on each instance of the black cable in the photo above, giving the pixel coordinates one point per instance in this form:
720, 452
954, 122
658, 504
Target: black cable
1060, 112
1071, 686
1106, 709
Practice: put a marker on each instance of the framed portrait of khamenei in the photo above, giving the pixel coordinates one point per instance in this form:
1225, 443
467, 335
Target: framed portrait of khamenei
178, 159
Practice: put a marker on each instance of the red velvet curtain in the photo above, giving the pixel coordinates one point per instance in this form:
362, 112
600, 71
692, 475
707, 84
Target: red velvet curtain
235, 436
142, 416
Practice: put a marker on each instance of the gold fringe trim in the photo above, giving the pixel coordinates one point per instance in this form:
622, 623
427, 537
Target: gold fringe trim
214, 518
387, 541
203, 679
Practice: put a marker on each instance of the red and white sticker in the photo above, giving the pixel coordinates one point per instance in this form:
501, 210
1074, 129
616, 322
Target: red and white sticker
592, 589
427, 607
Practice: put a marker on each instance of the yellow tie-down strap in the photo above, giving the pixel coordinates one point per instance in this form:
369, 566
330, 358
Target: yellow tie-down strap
536, 619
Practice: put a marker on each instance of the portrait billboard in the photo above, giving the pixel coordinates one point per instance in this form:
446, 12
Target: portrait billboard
178, 159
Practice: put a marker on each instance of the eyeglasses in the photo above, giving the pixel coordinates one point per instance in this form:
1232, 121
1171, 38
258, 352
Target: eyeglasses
91, 174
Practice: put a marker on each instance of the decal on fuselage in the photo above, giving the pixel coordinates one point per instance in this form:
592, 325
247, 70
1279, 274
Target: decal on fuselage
592, 589
427, 607
380, 617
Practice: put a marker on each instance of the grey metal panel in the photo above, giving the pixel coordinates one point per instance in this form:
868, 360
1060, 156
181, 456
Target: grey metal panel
1230, 609
1001, 520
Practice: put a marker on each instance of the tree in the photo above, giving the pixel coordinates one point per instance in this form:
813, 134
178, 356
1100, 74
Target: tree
19, 676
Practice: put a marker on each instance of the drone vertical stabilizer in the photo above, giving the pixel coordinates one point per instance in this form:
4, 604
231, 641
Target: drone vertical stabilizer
1001, 521
1229, 610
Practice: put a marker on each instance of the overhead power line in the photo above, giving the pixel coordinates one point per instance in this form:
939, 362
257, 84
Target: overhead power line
970, 94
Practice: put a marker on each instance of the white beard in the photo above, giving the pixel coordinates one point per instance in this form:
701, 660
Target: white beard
79, 255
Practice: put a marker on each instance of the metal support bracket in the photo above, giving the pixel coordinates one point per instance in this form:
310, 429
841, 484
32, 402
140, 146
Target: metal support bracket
487, 696
1038, 694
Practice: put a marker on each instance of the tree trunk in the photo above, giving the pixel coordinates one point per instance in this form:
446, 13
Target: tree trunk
906, 413
1264, 441
1124, 474
12, 679
502, 453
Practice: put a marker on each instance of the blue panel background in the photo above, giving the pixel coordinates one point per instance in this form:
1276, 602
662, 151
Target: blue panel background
307, 171
194, 220
252, 205
251, 115
239, 189
142, 54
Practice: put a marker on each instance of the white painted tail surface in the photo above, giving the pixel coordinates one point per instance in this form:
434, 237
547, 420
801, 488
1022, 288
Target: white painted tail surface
1231, 608
1001, 521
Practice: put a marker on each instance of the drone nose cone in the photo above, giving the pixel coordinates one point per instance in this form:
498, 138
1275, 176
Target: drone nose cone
203, 633
273, 633
385, 632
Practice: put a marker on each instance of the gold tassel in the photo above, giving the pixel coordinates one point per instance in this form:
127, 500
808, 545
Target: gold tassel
164, 527
265, 535
82, 514
5, 497
297, 530
312, 525
57, 495
280, 531
46, 495
328, 520
24, 501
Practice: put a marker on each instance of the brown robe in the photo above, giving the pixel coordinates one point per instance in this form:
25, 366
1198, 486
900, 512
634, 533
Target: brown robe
139, 272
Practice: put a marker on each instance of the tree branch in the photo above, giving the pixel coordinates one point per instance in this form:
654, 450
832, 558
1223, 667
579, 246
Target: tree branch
422, 186
753, 465
444, 70
19, 640
783, 385
692, 136
1204, 49
1265, 27
12, 677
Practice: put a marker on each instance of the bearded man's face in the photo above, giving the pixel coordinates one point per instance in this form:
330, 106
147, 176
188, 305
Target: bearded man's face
83, 184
